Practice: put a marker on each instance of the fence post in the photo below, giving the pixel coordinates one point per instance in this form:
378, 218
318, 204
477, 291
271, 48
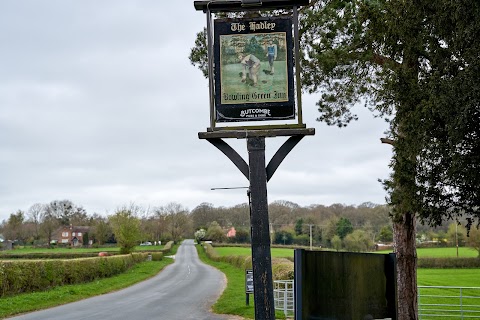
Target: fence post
461, 303
419, 305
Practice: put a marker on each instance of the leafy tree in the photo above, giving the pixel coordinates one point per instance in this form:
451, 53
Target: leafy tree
215, 232
176, 220
416, 64
358, 241
330, 229
473, 240
242, 236
49, 224
343, 227
202, 215
102, 230
86, 239
126, 227
200, 235
299, 227
386, 234
301, 240
13, 229
336, 242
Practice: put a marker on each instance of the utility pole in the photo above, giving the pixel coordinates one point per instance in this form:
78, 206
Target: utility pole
456, 235
310, 225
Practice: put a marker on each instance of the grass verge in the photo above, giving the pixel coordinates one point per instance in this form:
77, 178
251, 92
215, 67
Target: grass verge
29, 302
232, 300
243, 251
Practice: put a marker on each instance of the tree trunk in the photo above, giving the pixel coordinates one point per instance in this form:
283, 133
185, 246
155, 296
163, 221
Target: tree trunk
405, 250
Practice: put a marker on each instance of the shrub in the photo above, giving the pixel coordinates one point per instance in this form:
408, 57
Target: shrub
38, 275
157, 256
167, 247
282, 269
449, 263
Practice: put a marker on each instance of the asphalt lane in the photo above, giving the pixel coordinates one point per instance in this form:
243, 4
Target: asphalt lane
183, 290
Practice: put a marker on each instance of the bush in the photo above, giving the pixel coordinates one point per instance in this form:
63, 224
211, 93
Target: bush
39, 275
157, 256
282, 269
449, 263
51, 255
167, 247
301, 240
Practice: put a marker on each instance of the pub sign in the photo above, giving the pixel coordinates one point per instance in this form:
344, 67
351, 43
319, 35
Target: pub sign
253, 69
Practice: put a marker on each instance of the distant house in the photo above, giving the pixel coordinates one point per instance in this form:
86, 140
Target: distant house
72, 235
231, 233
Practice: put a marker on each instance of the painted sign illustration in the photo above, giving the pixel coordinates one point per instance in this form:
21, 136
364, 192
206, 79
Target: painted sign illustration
254, 70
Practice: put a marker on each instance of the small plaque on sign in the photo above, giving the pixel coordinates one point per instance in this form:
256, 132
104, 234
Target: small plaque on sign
249, 281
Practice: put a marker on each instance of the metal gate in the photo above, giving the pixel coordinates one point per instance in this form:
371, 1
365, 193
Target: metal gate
441, 302
283, 295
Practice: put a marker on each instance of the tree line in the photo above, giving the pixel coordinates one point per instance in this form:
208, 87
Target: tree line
338, 226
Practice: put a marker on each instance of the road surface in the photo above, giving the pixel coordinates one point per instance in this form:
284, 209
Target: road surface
183, 290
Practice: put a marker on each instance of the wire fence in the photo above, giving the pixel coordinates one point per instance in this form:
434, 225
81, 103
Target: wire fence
434, 302
441, 302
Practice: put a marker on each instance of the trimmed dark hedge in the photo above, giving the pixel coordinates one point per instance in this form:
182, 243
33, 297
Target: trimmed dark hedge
448, 263
23, 276
167, 247
52, 255
282, 269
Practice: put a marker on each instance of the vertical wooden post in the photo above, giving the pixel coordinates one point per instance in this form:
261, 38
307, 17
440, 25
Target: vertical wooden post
261, 256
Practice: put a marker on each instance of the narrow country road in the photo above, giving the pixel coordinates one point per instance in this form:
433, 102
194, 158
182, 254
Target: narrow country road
184, 290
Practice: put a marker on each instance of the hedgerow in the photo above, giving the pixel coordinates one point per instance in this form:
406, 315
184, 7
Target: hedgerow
282, 269
23, 276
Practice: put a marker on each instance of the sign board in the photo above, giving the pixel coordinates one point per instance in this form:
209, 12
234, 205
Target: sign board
345, 285
253, 69
249, 281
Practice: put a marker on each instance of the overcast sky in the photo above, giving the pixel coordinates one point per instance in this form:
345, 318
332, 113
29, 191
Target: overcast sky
100, 105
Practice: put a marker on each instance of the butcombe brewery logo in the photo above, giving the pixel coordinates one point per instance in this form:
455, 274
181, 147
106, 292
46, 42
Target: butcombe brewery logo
254, 69
255, 113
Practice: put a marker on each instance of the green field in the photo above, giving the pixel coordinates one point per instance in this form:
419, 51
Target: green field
449, 277
244, 251
232, 301
449, 303
463, 252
